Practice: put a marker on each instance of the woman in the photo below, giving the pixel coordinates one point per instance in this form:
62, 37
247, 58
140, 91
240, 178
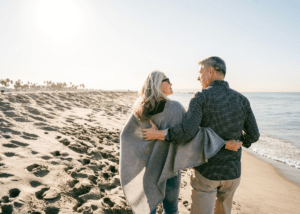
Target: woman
150, 170
153, 102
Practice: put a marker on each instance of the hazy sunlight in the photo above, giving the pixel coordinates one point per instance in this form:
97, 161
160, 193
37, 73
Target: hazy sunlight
58, 19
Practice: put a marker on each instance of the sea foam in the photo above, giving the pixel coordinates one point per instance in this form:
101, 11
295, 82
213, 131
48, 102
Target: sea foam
277, 149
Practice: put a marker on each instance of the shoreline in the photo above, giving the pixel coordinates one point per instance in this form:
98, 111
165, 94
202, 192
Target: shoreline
280, 153
287, 171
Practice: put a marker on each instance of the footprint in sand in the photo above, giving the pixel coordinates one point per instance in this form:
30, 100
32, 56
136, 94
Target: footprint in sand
5, 199
29, 136
38, 170
187, 205
56, 153
49, 109
33, 110
13, 132
183, 184
108, 202
6, 106
64, 154
85, 161
48, 194
45, 127
11, 114
39, 194
65, 141
9, 154
46, 157
38, 118
31, 167
113, 169
70, 120
82, 187
77, 147
5, 175
19, 143
7, 208
9, 145
21, 119
6, 136
35, 183
52, 210
13, 193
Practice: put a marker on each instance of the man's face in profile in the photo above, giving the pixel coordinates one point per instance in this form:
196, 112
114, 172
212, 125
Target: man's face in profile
204, 76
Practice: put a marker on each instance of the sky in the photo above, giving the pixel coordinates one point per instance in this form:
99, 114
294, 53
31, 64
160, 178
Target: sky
115, 44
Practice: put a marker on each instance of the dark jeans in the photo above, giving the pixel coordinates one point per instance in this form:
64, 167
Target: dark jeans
170, 202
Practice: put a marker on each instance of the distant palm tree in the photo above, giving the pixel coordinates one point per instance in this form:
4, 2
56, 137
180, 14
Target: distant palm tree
18, 84
7, 82
3, 82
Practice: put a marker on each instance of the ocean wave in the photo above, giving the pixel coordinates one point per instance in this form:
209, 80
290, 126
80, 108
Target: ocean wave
277, 149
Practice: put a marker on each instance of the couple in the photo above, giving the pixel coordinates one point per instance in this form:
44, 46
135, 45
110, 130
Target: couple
204, 138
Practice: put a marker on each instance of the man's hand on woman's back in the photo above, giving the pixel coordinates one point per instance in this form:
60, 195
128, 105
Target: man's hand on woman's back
153, 133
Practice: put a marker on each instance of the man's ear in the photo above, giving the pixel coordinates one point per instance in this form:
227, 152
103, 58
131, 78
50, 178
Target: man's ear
212, 72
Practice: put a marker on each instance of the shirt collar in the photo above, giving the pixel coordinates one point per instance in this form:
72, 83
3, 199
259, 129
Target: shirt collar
219, 83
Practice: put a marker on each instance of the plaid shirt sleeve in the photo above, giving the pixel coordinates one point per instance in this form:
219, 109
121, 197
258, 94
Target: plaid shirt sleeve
250, 132
191, 122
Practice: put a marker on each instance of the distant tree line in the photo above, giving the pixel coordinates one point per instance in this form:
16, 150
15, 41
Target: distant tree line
19, 85
6, 82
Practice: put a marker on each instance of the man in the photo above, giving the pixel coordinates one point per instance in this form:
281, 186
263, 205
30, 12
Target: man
228, 114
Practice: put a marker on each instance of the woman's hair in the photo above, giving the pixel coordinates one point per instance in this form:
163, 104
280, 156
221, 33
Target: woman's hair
150, 94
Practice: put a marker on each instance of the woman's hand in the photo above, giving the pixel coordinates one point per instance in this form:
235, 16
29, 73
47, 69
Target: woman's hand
153, 133
233, 145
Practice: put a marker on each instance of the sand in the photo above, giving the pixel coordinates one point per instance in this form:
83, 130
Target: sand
263, 190
59, 153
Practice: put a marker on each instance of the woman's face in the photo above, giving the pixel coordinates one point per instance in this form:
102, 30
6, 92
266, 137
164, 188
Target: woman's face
166, 88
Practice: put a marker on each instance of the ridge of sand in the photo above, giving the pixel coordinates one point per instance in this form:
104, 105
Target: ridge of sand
59, 153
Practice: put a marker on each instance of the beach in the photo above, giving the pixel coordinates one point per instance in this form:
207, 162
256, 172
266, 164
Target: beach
60, 154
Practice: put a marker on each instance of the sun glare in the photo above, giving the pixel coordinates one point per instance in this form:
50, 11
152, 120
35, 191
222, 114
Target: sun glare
59, 19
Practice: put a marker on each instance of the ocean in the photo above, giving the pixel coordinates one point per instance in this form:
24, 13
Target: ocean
278, 119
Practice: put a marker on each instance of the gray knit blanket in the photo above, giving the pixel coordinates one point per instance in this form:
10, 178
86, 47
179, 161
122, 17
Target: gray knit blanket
145, 166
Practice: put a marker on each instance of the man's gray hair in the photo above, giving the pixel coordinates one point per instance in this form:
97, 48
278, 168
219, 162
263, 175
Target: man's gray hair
216, 62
